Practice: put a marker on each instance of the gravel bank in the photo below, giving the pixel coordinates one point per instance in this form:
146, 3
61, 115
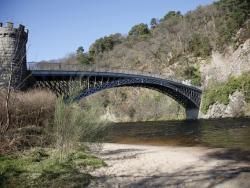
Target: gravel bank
169, 166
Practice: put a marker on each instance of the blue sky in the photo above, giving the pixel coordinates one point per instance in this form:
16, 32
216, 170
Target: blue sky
58, 27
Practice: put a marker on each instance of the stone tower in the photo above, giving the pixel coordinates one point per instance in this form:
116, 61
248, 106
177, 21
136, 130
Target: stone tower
13, 55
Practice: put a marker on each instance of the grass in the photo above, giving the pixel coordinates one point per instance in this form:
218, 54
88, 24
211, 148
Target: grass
47, 167
41, 147
73, 124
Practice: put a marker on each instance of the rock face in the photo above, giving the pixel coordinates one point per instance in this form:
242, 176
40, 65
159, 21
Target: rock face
233, 63
237, 105
243, 34
12, 54
235, 108
217, 110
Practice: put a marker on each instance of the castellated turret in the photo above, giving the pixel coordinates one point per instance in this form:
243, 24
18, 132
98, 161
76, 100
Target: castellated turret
13, 55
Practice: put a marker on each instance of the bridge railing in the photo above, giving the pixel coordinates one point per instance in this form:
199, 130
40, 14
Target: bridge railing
94, 68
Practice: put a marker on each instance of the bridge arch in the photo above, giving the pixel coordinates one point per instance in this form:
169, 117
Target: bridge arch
176, 93
61, 81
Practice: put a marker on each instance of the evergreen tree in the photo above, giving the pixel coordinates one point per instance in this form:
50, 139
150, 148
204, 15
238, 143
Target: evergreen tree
153, 23
82, 57
139, 30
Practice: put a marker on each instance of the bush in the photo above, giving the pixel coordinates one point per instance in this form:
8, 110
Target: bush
30, 114
200, 46
28, 108
72, 125
220, 92
193, 74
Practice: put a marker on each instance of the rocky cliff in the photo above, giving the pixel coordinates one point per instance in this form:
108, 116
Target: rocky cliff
234, 62
237, 107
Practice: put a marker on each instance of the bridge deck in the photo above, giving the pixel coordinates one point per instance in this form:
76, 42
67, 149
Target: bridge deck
63, 74
78, 70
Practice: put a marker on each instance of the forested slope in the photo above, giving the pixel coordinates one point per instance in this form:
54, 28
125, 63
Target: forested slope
205, 47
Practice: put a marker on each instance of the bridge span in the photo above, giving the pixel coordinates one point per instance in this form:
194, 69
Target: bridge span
63, 80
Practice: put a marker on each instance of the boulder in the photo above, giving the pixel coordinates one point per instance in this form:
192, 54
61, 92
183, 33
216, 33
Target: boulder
235, 108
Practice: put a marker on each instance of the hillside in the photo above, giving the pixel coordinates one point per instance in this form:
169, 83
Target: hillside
206, 47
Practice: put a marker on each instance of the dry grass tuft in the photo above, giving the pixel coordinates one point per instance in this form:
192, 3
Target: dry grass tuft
30, 113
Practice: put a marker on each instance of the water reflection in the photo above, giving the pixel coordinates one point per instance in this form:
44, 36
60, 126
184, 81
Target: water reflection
228, 133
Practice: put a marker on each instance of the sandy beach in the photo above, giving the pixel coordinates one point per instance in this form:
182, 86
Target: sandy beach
171, 166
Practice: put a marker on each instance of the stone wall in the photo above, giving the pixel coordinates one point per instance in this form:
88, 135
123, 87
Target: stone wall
13, 55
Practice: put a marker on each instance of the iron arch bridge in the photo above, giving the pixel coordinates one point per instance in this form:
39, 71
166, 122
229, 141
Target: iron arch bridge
64, 82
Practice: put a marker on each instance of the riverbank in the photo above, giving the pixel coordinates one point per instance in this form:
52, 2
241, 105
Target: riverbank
47, 167
171, 166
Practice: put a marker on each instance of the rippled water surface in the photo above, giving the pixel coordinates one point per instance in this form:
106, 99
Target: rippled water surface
228, 133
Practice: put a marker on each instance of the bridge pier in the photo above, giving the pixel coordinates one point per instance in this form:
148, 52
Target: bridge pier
192, 113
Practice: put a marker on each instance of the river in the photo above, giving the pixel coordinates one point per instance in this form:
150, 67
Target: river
225, 133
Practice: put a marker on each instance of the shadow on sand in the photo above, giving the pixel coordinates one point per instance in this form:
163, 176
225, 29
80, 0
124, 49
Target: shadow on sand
232, 170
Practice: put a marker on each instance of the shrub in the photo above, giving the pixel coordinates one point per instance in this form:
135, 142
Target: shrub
72, 125
220, 92
30, 113
199, 45
193, 74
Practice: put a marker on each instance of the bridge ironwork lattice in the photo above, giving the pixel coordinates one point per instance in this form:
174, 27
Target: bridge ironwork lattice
63, 79
95, 68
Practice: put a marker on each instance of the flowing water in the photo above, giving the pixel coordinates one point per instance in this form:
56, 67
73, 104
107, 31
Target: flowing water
226, 133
